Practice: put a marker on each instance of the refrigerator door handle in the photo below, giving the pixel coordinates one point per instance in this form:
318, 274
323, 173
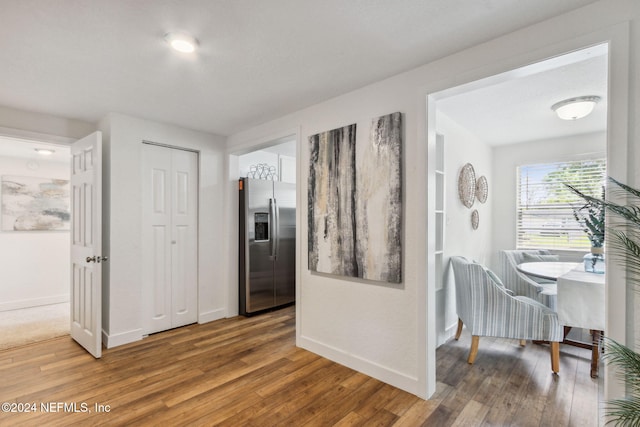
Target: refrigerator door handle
272, 226
277, 227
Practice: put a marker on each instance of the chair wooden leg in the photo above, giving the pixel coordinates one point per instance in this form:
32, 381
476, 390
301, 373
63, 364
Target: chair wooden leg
459, 331
474, 349
523, 343
555, 357
595, 348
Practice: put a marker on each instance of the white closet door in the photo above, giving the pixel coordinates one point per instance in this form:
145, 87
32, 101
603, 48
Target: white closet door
184, 243
169, 236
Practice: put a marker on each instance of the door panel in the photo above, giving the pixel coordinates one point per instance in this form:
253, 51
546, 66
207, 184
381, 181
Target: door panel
185, 237
259, 284
170, 245
86, 242
156, 238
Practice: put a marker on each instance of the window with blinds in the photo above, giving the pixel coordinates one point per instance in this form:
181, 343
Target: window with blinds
545, 206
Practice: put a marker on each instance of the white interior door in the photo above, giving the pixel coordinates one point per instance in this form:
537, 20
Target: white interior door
170, 245
86, 243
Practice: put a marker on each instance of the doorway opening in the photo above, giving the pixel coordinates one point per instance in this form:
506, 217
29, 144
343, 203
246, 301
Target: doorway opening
499, 124
267, 216
34, 240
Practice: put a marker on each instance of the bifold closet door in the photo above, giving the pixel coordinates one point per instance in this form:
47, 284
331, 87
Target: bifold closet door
169, 238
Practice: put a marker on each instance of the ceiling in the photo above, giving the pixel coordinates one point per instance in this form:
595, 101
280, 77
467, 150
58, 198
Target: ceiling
23, 149
518, 108
258, 59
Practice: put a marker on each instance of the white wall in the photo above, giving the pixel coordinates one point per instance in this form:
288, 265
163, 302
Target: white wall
122, 209
508, 157
34, 265
389, 332
461, 147
44, 124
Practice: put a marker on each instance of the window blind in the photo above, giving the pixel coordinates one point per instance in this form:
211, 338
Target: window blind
544, 217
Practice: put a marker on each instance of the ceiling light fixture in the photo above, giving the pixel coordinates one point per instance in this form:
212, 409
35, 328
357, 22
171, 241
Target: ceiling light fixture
575, 108
182, 42
44, 151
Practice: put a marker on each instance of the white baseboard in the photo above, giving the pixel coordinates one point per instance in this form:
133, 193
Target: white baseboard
212, 315
34, 302
367, 367
114, 340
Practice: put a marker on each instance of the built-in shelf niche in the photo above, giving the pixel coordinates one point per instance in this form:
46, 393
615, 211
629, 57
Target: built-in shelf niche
439, 211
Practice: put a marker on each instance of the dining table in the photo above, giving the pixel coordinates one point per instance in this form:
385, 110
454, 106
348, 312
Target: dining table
580, 302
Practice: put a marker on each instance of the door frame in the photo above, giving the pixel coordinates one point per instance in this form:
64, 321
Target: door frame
619, 300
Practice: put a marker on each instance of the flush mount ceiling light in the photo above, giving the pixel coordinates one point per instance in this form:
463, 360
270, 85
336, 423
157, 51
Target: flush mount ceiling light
575, 108
182, 42
44, 151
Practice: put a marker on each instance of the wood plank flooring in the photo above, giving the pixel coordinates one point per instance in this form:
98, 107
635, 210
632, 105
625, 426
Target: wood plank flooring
248, 372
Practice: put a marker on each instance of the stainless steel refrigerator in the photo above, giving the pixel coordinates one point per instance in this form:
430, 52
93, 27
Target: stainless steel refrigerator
267, 244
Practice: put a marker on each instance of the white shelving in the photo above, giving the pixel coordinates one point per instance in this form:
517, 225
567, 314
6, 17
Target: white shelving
440, 211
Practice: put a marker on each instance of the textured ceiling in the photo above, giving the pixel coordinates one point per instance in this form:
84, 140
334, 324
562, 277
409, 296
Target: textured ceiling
259, 59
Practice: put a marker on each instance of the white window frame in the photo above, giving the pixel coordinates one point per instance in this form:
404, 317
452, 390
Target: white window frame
541, 224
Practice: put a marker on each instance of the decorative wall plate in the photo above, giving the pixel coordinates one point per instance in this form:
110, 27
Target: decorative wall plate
482, 189
467, 185
475, 219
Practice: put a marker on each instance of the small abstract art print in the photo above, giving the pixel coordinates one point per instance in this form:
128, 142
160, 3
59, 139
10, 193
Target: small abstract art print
35, 204
355, 202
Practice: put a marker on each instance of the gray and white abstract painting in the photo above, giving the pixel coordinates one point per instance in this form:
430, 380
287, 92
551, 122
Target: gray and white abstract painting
31, 203
332, 190
355, 202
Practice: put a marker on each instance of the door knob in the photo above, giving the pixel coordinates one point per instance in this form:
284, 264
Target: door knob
96, 258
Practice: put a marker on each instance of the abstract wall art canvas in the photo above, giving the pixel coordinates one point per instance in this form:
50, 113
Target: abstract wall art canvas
332, 183
31, 203
379, 201
355, 201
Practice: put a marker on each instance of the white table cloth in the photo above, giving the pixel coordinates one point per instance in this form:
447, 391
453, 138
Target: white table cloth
581, 299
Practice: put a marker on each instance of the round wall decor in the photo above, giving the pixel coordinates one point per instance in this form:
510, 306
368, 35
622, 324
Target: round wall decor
475, 219
482, 189
467, 185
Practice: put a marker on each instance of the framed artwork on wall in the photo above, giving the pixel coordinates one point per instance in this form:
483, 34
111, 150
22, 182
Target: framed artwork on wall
35, 204
355, 201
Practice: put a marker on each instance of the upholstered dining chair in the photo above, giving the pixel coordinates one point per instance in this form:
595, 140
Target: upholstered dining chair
487, 310
541, 290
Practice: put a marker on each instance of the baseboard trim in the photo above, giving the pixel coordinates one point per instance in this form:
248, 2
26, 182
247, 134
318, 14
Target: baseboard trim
210, 316
367, 367
115, 340
34, 302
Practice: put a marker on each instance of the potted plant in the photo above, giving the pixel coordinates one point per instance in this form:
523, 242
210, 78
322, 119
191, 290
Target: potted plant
590, 216
625, 246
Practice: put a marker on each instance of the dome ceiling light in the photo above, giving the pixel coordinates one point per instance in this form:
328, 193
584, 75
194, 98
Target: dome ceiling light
182, 42
575, 108
44, 151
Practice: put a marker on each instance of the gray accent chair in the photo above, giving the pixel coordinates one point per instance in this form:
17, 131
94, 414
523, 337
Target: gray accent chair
487, 309
519, 283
